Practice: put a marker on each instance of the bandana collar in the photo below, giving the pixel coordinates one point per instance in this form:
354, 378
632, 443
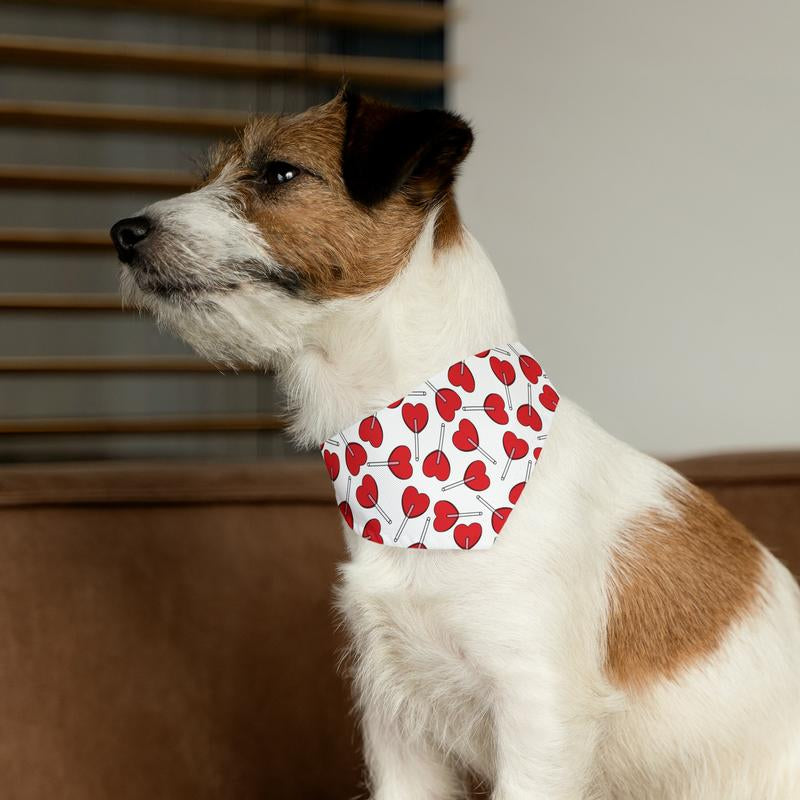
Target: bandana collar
443, 467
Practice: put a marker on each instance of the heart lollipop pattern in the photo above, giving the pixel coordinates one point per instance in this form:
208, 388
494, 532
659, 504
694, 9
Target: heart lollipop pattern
415, 416
331, 464
444, 466
355, 456
505, 374
436, 464
370, 431
460, 375
372, 531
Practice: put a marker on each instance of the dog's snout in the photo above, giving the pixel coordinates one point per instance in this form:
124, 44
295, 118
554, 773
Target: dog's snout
127, 234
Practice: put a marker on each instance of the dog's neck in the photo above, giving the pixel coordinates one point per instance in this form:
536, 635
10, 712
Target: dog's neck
364, 353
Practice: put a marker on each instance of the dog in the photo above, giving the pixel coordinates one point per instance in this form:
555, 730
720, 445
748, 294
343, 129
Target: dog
624, 637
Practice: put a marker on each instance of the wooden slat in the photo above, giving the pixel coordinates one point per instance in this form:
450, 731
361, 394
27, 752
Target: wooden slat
42, 51
89, 116
61, 302
138, 425
50, 239
14, 176
383, 15
107, 365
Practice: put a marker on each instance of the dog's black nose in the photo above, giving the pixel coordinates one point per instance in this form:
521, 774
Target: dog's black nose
127, 233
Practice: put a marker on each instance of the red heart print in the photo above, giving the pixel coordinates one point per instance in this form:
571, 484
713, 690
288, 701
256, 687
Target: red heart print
530, 368
371, 431
495, 408
515, 492
528, 415
445, 515
461, 375
372, 531
367, 493
483, 353
467, 536
503, 370
417, 546
447, 403
395, 404
475, 476
415, 416
436, 465
331, 464
536, 453
515, 447
466, 437
347, 513
400, 462
499, 518
414, 503
355, 457
548, 397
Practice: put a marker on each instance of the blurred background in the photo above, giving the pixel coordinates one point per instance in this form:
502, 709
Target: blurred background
635, 180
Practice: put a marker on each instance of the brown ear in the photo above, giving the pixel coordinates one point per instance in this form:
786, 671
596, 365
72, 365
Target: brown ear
387, 148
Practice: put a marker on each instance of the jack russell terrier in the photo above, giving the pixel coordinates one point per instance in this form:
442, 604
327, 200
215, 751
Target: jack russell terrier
594, 626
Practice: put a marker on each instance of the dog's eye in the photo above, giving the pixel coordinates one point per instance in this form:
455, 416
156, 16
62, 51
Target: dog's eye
276, 173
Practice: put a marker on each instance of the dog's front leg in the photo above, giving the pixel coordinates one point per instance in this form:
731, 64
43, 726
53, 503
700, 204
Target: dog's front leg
400, 768
545, 745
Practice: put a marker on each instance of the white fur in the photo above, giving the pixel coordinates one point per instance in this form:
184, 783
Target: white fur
432, 630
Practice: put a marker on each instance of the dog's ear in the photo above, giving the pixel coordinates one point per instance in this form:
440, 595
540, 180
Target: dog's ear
388, 148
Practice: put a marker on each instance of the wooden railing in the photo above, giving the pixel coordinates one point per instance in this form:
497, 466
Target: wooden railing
231, 423
395, 16
108, 365
88, 179
89, 116
43, 51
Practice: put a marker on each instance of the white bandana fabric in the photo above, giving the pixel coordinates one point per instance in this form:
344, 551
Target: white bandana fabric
442, 467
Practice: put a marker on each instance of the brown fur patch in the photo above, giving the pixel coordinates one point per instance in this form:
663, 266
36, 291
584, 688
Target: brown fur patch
335, 246
448, 230
678, 584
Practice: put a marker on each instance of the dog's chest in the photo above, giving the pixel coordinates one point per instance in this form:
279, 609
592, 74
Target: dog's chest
411, 653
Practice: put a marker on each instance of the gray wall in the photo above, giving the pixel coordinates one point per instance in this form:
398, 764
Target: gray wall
637, 181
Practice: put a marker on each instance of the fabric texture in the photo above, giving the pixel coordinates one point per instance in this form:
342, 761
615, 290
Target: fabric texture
443, 467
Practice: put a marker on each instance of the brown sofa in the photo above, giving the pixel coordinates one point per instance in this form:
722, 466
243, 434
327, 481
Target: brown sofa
165, 630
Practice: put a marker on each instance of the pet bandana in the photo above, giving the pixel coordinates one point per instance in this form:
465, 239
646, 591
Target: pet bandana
442, 467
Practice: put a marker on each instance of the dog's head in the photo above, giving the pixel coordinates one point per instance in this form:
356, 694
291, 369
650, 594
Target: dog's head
298, 212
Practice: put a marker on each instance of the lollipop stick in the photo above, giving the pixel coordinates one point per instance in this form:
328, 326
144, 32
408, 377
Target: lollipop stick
402, 525
508, 397
500, 350
334, 442
432, 387
453, 485
416, 442
465, 514
473, 408
347, 496
528, 470
379, 509
441, 442
481, 450
529, 395
418, 393
505, 469
483, 502
424, 530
